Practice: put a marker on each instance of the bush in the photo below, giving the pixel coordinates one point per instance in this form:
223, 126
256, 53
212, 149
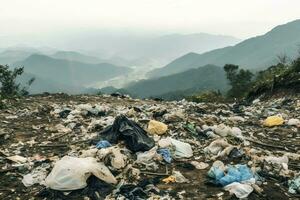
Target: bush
276, 77
296, 64
8, 85
207, 96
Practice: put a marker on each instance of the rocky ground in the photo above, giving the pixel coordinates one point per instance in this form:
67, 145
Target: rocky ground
37, 131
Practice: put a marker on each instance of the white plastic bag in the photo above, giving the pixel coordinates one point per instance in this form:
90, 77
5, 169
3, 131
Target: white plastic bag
182, 150
71, 173
147, 157
240, 190
37, 175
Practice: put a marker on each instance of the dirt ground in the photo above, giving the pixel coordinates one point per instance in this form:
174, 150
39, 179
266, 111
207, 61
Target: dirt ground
30, 134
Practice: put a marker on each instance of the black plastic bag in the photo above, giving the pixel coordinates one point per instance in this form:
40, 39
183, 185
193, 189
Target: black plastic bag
135, 137
132, 192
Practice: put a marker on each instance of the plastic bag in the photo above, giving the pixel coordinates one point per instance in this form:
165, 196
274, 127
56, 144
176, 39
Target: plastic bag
274, 121
237, 173
216, 147
156, 127
182, 150
294, 122
118, 160
222, 130
135, 137
217, 170
166, 154
37, 175
294, 185
114, 155
71, 173
240, 190
103, 144
147, 156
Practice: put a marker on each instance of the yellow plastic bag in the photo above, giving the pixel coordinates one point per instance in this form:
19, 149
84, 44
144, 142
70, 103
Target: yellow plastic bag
155, 127
276, 120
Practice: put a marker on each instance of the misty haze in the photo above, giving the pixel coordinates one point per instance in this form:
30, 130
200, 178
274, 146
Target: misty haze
140, 99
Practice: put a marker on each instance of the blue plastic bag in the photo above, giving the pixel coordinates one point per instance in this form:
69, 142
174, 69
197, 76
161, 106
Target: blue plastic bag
166, 154
246, 173
237, 173
216, 173
103, 144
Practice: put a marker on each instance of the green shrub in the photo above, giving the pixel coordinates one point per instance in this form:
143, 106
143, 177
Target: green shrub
8, 85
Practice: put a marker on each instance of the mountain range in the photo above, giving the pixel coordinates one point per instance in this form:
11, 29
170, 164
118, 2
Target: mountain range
254, 53
72, 71
69, 73
145, 49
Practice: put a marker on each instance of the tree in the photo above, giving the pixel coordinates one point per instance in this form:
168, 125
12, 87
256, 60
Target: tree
282, 59
296, 64
240, 80
231, 71
8, 85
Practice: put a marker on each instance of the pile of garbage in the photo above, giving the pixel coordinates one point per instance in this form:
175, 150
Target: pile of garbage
115, 147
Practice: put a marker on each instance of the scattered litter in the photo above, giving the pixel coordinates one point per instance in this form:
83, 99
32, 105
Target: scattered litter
229, 174
155, 127
166, 154
176, 177
103, 144
71, 173
100, 147
274, 121
37, 175
240, 190
294, 185
294, 122
170, 179
135, 137
200, 165
182, 150
17, 159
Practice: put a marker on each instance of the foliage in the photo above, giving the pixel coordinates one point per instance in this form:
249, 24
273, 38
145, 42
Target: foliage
296, 64
280, 76
207, 96
8, 85
240, 80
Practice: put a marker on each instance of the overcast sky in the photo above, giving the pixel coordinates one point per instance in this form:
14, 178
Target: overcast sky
240, 18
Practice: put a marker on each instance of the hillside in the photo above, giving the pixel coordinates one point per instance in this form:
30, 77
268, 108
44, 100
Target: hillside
257, 52
75, 56
8, 57
41, 85
70, 73
209, 77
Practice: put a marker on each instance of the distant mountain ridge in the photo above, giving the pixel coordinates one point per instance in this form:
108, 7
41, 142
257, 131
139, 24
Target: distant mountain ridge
209, 77
75, 56
148, 50
254, 53
8, 57
69, 73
